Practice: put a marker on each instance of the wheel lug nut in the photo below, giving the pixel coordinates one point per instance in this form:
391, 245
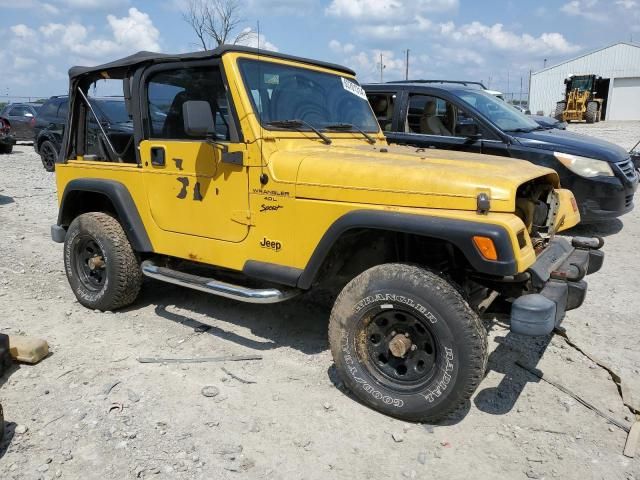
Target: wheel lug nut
413, 348
406, 335
393, 333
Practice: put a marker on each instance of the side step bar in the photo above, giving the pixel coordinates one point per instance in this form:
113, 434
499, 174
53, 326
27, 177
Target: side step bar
216, 287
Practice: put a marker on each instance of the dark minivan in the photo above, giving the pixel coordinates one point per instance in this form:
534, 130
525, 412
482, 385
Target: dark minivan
600, 174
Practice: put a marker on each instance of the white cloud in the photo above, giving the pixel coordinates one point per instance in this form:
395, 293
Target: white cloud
405, 30
22, 32
53, 7
280, 7
23, 63
136, 30
584, 8
367, 64
501, 39
628, 4
386, 9
339, 47
252, 41
50, 9
94, 4
128, 34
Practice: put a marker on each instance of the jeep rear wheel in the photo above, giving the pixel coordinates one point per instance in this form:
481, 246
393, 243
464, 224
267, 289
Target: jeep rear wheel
6, 148
406, 343
100, 263
48, 156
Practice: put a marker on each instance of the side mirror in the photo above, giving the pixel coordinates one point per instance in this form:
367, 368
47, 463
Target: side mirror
198, 118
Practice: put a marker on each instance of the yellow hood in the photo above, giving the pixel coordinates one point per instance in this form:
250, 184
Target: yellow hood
402, 176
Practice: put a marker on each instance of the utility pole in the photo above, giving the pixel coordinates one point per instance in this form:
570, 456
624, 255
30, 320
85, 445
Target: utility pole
508, 87
529, 92
382, 67
406, 76
520, 98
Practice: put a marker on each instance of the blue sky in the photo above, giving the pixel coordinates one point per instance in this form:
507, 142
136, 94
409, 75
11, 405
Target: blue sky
496, 41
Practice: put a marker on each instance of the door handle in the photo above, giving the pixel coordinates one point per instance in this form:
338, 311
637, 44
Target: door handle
158, 157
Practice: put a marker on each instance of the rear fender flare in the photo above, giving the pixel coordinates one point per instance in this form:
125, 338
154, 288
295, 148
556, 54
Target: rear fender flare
122, 202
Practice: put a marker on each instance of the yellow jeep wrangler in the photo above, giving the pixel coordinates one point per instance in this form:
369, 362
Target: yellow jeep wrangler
259, 176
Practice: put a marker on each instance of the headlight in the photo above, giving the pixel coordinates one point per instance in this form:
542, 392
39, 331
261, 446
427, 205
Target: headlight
583, 166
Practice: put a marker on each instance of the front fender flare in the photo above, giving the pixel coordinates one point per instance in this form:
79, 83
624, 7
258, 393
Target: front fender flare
457, 232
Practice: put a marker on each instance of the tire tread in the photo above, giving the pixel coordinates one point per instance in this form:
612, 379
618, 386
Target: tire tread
128, 280
474, 331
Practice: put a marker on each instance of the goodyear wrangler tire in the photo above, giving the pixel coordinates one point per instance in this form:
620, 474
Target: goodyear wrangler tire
102, 268
406, 343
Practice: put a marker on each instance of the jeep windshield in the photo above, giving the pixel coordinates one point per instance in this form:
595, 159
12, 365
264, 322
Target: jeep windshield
298, 98
497, 111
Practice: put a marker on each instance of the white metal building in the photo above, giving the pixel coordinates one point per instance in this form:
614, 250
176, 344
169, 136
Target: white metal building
620, 63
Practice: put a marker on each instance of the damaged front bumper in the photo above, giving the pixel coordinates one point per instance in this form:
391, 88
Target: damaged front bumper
557, 277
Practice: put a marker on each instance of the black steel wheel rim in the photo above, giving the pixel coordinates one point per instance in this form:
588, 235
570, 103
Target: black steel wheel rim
89, 263
48, 155
408, 371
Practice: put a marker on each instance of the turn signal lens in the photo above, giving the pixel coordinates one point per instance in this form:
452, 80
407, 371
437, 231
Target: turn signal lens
486, 247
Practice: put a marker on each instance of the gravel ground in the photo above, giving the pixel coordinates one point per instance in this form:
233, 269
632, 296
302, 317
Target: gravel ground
295, 421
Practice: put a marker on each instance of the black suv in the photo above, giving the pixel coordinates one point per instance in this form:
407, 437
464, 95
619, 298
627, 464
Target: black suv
454, 117
51, 121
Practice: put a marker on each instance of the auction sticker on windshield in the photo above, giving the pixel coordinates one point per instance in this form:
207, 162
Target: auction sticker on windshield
354, 88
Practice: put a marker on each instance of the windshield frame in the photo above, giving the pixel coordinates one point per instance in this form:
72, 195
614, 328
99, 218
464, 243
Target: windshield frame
529, 125
265, 124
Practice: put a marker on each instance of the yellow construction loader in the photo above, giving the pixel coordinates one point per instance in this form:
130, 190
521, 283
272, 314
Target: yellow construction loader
581, 102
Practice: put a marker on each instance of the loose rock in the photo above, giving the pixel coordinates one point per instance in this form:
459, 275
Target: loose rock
21, 429
210, 391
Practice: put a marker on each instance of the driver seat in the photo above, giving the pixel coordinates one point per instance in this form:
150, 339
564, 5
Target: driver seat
430, 123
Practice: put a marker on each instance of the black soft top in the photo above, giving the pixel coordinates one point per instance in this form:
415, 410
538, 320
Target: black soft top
119, 68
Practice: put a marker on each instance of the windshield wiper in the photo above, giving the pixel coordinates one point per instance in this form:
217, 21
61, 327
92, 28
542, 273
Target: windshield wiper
297, 124
349, 126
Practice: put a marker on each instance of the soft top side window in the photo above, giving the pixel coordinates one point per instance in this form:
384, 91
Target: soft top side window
168, 90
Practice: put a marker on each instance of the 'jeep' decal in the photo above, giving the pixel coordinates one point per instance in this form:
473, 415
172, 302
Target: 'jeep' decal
272, 244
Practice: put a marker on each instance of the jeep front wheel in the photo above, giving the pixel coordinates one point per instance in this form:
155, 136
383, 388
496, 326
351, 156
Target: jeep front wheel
406, 343
100, 263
